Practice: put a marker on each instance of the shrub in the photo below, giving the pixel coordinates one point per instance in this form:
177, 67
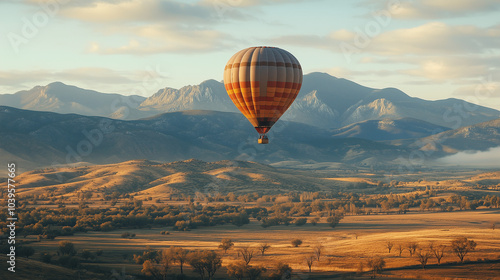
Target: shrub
296, 242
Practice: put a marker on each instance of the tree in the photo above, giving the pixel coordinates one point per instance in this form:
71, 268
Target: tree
264, 247
438, 251
461, 246
423, 257
254, 272
318, 249
300, 221
149, 254
309, 261
376, 265
226, 244
335, 219
389, 246
179, 255
149, 269
26, 251
237, 270
205, 263
412, 247
283, 271
246, 254
158, 270
67, 248
400, 249
296, 242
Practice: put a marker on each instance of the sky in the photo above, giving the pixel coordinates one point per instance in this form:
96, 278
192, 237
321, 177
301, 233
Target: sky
432, 49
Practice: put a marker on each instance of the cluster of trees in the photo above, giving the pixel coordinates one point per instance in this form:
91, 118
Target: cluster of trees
159, 263
283, 209
51, 222
460, 246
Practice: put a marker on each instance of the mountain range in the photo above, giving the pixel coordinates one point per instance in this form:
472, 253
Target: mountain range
65, 99
36, 139
332, 120
324, 101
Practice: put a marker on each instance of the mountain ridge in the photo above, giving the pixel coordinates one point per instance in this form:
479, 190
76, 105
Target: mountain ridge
324, 101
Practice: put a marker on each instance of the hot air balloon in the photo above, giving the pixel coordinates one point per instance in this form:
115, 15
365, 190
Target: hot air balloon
263, 82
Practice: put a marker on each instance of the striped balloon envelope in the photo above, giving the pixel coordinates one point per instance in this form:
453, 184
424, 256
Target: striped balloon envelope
263, 82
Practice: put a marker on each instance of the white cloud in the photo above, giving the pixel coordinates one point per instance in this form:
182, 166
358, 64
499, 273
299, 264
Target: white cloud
427, 39
139, 11
435, 51
435, 38
438, 9
152, 39
488, 158
224, 4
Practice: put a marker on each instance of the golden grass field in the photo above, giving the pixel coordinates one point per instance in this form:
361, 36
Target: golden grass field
354, 240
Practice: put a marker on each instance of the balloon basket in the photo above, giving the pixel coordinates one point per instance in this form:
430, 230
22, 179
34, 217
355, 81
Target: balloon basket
263, 139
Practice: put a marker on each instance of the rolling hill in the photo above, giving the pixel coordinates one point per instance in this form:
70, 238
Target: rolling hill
144, 178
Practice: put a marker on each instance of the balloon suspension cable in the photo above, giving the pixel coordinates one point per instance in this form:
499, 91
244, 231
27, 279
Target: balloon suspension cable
263, 138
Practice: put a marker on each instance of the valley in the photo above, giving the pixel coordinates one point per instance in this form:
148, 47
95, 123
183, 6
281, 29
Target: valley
113, 213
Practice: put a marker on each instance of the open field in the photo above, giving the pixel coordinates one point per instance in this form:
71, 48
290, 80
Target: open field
356, 239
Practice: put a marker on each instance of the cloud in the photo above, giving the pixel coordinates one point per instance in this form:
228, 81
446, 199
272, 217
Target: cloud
152, 39
443, 68
488, 158
434, 51
427, 39
150, 26
438, 9
139, 11
221, 4
436, 38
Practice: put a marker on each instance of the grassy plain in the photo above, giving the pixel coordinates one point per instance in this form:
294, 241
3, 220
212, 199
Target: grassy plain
355, 240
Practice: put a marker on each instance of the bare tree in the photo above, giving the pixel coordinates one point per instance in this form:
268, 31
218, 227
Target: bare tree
226, 244
461, 246
400, 249
438, 251
412, 247
493, 225
376, 265
318, 249
264, 247
310, 260
246, 254
389, 245
423, 257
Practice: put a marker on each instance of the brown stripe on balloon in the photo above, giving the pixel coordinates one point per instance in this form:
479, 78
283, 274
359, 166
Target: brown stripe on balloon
261, 63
